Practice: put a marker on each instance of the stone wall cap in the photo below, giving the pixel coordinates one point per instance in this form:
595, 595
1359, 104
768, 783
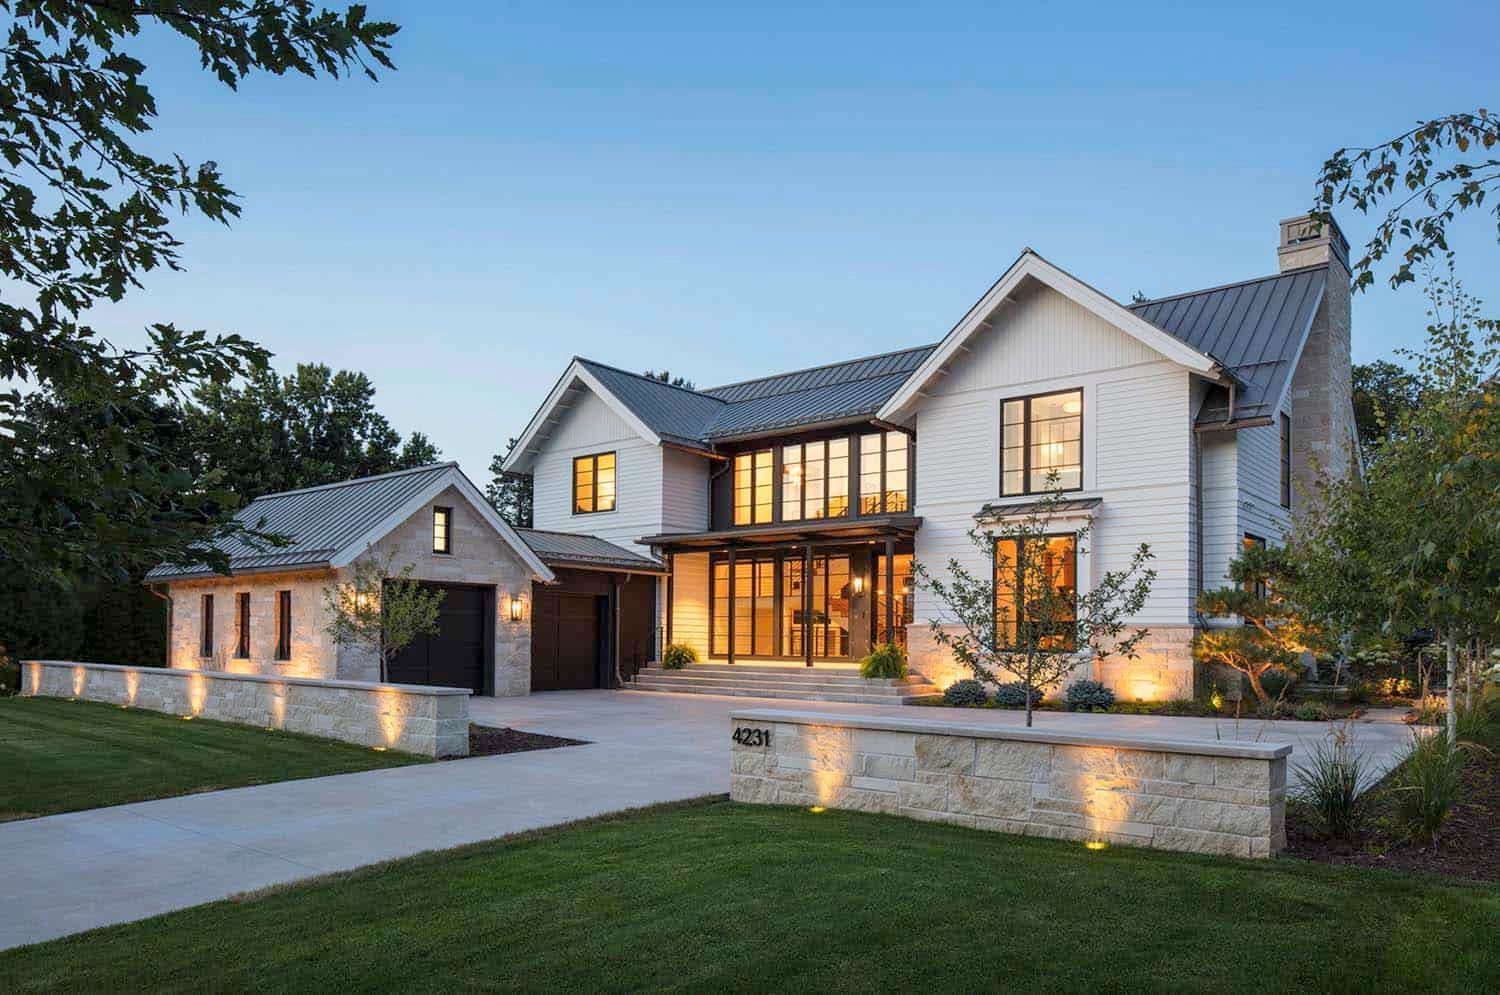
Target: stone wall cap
1201, 747
425, 689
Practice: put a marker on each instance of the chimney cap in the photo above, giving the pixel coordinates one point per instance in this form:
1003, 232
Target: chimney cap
1306, 241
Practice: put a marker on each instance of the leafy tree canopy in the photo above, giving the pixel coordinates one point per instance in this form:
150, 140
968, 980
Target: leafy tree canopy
510, 493
1384, 393
665, 376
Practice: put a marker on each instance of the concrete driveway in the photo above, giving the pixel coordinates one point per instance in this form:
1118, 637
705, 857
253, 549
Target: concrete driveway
67, 873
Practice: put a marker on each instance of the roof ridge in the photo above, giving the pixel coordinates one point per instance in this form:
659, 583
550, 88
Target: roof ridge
1226, 286
641, 376
356, 480
823, 366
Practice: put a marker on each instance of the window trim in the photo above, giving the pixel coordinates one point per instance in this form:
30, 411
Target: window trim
994, 569
1026, 400
1284, 421
594, 492
242, 624
446, 511
284, 625
884, 471
206, 626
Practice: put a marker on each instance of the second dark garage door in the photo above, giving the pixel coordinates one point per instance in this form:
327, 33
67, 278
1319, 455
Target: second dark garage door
454, 657
565, 645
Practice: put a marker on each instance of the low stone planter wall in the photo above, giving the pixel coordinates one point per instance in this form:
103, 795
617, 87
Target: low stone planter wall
432, 721
1202, 797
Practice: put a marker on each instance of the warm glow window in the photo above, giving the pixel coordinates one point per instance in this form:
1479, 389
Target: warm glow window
206, 623
242, 625
901, 610
594, 483
283, 625
828, 624
768, 610
752, 487
1022, 613
1040, 436
815, 480
442, 530
884, 473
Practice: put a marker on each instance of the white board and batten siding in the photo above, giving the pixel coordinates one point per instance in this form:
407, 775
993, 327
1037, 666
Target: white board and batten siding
1137, 452
1259, 482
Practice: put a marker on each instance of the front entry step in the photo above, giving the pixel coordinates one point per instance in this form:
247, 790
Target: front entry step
781, 682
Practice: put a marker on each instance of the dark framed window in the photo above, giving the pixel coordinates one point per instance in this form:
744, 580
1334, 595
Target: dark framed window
815, 480
283, 625
1255, 588
902, 610
206, 626
769, 615
1019, 569
442, 530
1040, 435
594, 483
752, 487
242, 625
1286, 460
884, 473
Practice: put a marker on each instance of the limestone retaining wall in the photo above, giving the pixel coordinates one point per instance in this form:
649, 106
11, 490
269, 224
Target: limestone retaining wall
433, 721
1202, 797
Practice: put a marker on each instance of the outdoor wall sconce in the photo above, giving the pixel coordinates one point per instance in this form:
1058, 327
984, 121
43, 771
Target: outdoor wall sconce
859, 584
517, 608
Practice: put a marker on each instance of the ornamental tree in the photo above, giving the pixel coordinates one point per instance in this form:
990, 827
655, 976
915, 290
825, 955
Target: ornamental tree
1025, 619
379, 611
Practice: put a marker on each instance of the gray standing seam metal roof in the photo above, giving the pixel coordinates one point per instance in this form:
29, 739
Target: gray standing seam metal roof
1254, 328
570, 548
319, 520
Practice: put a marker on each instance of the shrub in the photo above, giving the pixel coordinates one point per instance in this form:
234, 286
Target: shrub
10, 676
1275, 683
965, 693
1272, 709
1085, 696
1329, 785
678, 655
1013, 695
1312, 711
1427, 784
886, 661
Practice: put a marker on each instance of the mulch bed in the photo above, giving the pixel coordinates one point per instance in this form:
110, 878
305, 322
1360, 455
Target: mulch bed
1467, 847
487, 741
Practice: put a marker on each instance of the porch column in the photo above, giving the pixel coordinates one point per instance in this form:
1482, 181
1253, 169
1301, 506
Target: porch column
890, 589
807, 619
730, 648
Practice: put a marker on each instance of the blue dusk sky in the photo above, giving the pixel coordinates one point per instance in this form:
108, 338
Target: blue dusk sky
735, 192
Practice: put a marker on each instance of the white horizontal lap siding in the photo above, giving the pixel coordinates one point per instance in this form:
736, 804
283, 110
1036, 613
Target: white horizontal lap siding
1136, 453
684, 497
590, 426
1259, 484
690, 601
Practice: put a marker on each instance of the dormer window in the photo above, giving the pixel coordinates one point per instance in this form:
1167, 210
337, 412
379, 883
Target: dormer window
442, 530
594, 483
1039, 436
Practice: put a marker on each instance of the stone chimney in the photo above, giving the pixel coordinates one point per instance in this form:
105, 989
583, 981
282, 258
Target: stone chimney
1322, 415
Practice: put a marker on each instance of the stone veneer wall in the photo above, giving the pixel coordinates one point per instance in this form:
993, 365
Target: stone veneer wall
1162, 669
1200, 797
427, 720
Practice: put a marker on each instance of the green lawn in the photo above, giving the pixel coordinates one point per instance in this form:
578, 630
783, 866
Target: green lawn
60, 756
712, 895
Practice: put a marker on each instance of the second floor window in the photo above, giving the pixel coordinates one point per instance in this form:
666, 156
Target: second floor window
442, 530
752, 487
594, 483
883, 474
815, 480
1040, 436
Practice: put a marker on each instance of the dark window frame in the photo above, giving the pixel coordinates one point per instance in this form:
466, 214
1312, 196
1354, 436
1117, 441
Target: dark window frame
206, 626
718, 640
446, 514
1257, 589
242, 624
1025, 468
593, 460
1284, 421
1072, 646
778, 470
283, 625
772, 483
884, 472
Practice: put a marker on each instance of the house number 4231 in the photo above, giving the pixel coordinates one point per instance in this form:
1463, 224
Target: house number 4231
747, 736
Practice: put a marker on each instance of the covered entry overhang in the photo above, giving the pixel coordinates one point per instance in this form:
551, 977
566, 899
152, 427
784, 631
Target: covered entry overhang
817, 592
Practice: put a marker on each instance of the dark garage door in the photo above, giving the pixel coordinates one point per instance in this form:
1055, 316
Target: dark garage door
455, 656
565, 644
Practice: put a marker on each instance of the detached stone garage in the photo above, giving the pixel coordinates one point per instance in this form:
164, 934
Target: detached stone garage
522, 610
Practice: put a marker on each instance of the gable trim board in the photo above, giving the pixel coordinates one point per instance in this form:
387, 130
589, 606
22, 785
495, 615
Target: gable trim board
1030, 265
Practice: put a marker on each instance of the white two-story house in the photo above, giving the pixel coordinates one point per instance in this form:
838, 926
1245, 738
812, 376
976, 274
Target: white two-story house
776, 520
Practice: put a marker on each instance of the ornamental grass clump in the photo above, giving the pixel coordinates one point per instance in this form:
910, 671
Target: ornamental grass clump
1330, 785
677, 656
885, 662
1088, 696
966, 693
1427, 784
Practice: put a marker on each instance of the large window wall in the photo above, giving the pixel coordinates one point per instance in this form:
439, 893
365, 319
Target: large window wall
821, 479
770, 617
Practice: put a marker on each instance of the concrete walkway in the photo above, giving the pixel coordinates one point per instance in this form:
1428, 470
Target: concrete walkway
67, 873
